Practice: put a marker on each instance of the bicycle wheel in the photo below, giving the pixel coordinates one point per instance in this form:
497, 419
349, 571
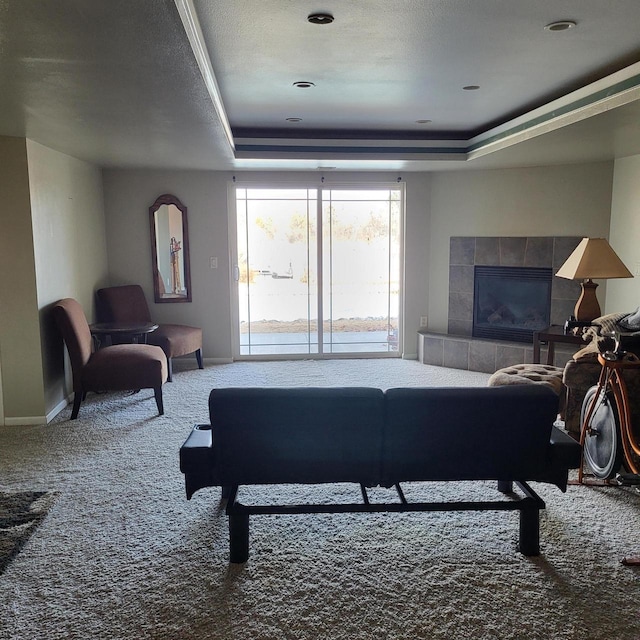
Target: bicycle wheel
602, 444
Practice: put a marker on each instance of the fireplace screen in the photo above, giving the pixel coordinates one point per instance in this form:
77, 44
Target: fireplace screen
510, 303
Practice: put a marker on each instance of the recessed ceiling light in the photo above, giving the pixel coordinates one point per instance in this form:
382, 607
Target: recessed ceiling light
293, 119
320, 18
303, 84
471, 87
423, 121
560, 25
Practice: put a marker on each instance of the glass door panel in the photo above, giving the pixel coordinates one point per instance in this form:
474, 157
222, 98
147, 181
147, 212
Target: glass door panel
277, 257
285, 284
361, 270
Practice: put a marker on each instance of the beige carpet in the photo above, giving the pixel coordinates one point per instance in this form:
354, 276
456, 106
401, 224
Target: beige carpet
122, 554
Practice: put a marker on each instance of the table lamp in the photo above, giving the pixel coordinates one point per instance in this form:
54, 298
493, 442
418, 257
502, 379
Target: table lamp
592, 258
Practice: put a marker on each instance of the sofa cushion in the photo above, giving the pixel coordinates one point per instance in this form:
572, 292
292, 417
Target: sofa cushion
300, 435
490, 433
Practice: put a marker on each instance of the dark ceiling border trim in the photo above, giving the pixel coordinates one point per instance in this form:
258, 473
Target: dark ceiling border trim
266, 148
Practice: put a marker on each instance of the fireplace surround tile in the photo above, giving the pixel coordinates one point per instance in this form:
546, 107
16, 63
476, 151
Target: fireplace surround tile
431, 349
562, 309
482, 356
512, 252
460, 327
461, 278
563, 247
507, 355
565, 289
462, 250
465, 252
456, 354
461, 306
477, 354
487, 251
539, 252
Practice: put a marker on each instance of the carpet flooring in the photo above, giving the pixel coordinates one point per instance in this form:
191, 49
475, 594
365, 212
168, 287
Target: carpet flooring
122, 554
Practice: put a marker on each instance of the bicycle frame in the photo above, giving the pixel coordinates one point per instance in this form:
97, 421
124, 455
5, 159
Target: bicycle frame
612, 381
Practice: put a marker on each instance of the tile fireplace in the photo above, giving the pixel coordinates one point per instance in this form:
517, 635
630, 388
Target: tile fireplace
460, 347
546, 253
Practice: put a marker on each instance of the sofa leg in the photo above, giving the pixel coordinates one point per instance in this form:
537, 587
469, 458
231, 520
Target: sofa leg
199, 359
169, 370
505, 486
529, 543
239, 538
157, 392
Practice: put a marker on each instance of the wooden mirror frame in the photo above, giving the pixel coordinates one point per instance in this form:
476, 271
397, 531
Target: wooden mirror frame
181, 275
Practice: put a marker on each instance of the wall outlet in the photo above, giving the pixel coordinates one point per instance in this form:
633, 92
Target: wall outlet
423, 322
213, 263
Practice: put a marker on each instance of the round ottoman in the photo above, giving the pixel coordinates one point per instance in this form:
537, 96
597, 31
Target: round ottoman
542, 374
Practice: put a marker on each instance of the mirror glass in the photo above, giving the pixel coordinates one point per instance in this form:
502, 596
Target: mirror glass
170, 249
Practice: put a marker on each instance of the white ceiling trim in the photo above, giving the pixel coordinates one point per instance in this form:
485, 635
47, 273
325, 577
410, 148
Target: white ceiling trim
193, 30
616, 90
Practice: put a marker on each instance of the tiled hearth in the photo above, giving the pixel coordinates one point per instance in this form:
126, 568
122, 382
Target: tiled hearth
458, 349
476, 354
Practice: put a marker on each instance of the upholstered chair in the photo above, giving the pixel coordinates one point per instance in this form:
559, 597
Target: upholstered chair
127, 304
114, 368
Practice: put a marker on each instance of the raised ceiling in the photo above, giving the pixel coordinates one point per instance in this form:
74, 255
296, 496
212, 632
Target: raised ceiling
206, 84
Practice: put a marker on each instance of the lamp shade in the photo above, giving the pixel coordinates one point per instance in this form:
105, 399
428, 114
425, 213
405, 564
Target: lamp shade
593, 258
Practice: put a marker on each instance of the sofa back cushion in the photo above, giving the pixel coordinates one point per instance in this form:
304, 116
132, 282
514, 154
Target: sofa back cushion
491, 433
299, 435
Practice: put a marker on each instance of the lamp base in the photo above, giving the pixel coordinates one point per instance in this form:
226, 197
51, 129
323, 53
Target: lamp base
587, 307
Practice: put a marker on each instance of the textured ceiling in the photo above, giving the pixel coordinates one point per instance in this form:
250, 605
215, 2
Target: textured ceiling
208, 84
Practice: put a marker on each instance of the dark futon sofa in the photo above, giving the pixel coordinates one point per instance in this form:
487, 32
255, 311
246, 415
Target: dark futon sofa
370, 437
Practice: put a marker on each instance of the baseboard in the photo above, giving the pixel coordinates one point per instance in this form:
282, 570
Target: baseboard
25, 421
35, 420
217, 360
57, 409
409, 356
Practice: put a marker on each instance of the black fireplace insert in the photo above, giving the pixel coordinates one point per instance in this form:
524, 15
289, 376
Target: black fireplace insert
510, 303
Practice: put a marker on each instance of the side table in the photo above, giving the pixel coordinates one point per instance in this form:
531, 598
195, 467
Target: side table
124, 331
551, 335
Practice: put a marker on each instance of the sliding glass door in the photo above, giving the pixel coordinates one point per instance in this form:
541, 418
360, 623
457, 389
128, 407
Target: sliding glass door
305, 254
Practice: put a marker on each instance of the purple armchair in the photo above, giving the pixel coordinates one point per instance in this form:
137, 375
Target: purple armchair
120, 367
128, 304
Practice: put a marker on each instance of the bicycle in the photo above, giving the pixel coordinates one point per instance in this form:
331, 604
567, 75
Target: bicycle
608, 440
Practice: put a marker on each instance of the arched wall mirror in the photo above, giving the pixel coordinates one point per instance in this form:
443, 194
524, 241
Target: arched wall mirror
170, 250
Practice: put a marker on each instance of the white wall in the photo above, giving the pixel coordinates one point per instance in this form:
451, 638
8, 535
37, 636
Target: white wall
67, 213
624, 295
128, 195
564, 200
19, 324
572, 200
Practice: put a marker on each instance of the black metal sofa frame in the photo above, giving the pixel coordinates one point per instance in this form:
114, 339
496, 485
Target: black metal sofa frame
375, 438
